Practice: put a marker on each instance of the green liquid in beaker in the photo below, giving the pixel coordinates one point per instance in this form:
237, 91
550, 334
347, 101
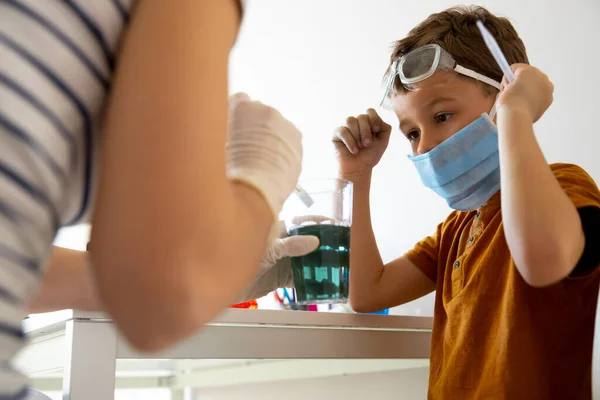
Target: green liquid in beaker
323, 275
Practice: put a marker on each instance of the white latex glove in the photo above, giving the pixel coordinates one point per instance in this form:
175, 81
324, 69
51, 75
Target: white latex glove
264, 150
276, 266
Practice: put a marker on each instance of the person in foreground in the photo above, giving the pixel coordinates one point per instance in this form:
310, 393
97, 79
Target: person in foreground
117, 113
515, 265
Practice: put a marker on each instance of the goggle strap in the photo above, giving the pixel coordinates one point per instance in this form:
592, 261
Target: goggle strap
477, 76
493, 112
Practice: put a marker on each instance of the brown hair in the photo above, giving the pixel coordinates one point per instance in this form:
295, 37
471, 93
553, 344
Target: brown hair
456, 32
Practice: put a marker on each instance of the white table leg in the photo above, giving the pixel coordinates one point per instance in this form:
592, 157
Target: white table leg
178, 394
90, 363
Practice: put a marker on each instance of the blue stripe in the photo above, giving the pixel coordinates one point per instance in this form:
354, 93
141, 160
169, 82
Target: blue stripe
11, 213
77, 102
38, 105
46, 112
13, 255
33, 191
9, 296
95, 31
15, 331
15, 218
22, 395
62, 38
35, 146
124, 13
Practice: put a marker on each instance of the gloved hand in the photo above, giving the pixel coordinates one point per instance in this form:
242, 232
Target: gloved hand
276, 267
264, 150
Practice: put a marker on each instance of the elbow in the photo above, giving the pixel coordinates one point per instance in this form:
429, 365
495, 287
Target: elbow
149, 342
160, 337
361, 308
156, 308
546, 268
154, 328
361, 305
160, 296
544, 258
538, 280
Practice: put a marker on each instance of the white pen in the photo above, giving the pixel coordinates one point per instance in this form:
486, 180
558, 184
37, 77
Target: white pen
491, 44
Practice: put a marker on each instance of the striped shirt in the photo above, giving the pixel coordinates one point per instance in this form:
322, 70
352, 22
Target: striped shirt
56, 63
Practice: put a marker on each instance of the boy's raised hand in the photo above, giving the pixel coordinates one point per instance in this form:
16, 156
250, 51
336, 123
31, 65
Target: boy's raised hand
531, 92
361, 142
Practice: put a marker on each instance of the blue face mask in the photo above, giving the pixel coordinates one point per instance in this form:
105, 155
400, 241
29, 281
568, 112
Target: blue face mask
465, 168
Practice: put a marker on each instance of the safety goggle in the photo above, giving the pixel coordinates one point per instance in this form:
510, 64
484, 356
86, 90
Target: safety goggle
420, 64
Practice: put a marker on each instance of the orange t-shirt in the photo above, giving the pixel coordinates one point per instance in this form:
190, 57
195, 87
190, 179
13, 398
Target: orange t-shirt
494, 336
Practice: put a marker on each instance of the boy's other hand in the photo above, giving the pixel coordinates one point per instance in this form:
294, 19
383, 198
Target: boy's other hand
531, 92
361, 142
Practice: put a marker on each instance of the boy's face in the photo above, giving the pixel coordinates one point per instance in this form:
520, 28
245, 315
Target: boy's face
440, 106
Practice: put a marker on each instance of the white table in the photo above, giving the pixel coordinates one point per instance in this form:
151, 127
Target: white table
82, 352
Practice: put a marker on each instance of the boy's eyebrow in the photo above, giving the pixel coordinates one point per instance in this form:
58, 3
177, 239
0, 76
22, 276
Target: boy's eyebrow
438, 100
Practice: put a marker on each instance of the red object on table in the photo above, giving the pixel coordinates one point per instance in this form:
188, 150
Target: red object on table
252, 304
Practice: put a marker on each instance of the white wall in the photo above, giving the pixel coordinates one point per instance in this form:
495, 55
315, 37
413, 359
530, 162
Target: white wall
398, 385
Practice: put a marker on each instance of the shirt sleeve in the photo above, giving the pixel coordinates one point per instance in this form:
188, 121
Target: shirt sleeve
425, 254
585, 195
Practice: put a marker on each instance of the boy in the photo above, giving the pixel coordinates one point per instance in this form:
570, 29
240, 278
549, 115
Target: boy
515, 271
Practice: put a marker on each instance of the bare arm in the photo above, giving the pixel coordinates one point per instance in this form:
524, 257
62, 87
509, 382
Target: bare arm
541, 224
174, 241
543, 229
67, 284
373, 285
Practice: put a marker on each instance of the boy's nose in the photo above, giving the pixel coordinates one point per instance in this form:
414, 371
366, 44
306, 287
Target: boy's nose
427, 143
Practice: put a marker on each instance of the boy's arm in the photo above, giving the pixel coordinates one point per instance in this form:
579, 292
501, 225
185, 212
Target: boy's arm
542, 224
373, 285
